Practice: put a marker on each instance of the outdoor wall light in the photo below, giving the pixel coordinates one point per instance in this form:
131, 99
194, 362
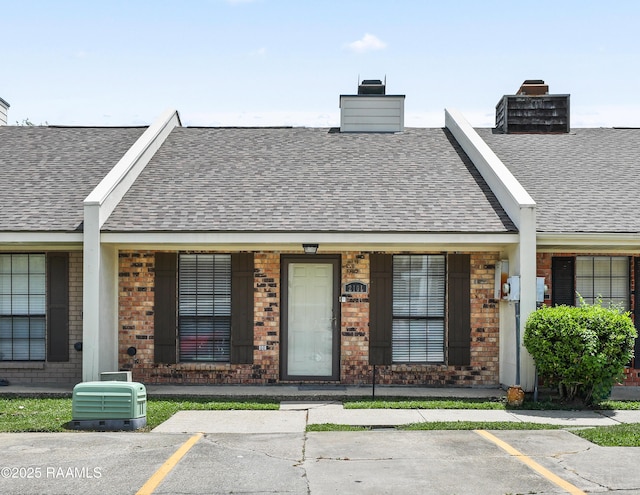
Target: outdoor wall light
310, 248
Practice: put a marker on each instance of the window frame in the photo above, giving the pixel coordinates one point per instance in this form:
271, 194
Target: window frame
596, 294
204, 311
36, 340
418, 312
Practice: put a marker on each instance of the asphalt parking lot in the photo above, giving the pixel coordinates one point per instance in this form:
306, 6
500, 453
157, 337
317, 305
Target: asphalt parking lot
223, 452
379, 461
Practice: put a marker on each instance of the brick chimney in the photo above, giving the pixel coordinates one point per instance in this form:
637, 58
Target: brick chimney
532, 110
372, 110
4, 112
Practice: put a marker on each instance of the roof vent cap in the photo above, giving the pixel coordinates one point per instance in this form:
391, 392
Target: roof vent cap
371, 87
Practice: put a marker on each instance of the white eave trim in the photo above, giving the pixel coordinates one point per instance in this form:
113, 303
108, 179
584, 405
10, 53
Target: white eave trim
326, 240
587, 239
41, 238
108, 193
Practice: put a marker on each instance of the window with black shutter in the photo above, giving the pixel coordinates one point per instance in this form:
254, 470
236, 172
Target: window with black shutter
407, 309
204, 308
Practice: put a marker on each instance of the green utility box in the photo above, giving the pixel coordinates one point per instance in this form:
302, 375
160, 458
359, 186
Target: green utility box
110, 405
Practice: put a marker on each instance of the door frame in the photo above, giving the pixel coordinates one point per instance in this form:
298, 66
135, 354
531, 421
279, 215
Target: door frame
285, 261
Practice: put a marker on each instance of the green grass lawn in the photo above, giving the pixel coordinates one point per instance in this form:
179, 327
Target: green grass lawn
624, 435
52, 414
481, 404
33, 414
442, 425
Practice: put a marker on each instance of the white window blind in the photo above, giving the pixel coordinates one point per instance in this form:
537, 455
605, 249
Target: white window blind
418, 333
603, 277
22, 307
204, 307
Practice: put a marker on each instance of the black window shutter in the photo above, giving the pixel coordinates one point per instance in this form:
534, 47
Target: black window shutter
563, 276
165, 308
242, 277
57, 307
380, 309
636, 309
459, 311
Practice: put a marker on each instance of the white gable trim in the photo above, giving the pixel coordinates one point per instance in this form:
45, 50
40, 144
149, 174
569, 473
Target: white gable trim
100, 270
108, 193
521, 208
512, 196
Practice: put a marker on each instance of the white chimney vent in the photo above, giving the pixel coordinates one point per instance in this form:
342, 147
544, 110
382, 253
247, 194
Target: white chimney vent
371, 110
4, 112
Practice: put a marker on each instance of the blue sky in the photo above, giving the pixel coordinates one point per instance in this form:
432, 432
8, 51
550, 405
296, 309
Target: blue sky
285, 62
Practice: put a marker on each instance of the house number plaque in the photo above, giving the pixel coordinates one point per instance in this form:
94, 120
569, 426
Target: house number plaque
355, 288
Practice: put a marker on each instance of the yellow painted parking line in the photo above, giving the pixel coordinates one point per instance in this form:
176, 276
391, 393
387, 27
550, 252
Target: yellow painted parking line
565, 485
153, 482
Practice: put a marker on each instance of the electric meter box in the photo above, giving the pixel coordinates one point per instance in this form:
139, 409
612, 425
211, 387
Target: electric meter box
109, 405
514, 288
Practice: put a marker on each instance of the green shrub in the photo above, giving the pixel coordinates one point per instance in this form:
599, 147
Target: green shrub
581, 350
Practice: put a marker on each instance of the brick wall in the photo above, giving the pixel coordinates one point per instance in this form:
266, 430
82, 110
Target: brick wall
136, 285
69, 372
632, 375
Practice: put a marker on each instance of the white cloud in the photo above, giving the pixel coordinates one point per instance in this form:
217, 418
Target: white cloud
368, 43
260, 52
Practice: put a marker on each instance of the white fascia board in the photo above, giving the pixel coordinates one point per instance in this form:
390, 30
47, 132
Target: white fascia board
333, 241
41, 238
108, 193
509, 192
576, 240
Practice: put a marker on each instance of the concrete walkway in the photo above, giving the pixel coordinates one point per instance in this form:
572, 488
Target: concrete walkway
293, 417
300, 392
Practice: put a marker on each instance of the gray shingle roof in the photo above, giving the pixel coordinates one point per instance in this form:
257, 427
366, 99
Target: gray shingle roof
47, 172
584, 181
303, 179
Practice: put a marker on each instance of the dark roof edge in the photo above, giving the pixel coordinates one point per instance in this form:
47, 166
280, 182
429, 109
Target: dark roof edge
375, 232
376, 96
242, 127
59, 126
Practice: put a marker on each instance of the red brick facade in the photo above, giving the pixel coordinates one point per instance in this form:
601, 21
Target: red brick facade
136, 300
632, 375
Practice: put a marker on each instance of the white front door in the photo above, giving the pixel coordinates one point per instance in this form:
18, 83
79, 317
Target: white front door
311, 320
